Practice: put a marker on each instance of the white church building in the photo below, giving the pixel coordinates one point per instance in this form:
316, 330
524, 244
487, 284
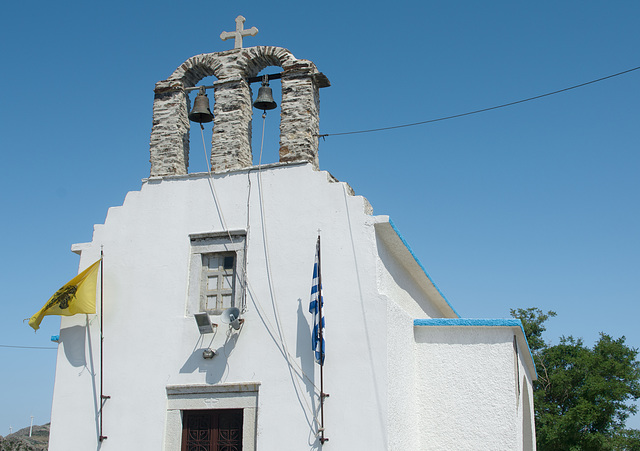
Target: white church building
402, 370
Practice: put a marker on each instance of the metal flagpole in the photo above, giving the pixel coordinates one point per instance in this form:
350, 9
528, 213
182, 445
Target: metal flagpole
103, 397
321, 339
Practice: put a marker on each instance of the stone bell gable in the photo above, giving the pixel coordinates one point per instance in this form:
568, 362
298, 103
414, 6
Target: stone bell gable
231, 140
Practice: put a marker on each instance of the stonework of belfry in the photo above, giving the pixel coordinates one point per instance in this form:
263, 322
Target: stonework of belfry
233, 111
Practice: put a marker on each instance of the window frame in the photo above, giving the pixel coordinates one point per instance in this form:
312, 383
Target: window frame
242, 395
204, 245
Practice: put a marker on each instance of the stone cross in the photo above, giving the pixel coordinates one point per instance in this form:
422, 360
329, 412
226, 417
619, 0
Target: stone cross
239, 33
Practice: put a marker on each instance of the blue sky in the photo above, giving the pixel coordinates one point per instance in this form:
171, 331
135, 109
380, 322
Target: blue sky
534, 205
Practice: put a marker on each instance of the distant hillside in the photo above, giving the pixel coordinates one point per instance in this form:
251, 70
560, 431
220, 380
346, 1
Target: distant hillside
20, 441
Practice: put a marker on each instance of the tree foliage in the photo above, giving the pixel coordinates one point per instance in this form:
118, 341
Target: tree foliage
583, 395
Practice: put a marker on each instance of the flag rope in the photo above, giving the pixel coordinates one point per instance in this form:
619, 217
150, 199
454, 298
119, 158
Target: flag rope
322, 393
315, 307
103, 397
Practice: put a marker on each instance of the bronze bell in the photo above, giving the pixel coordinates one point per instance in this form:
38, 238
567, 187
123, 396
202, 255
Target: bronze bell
265, 101
200, 111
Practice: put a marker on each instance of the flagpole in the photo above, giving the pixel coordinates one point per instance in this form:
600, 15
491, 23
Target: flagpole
321, 340
102, 395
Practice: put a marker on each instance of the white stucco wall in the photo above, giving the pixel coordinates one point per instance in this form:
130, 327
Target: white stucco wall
392, 385
401, 389
526, 420
403, 279
400, 285
150, 343
466, 386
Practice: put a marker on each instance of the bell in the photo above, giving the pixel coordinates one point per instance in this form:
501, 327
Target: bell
200, 111
265, 101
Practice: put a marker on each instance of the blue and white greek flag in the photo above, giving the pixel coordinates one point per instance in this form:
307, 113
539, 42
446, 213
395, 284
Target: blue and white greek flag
315, 306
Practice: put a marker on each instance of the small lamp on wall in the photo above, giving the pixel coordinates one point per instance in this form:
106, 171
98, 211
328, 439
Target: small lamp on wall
205, 326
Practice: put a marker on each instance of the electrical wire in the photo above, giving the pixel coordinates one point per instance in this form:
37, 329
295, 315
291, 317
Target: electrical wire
285, 349
212, 187
292, 364
324, 135
274, 302
26, 347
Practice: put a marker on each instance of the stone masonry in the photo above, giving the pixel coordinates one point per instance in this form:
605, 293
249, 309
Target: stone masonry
233, 111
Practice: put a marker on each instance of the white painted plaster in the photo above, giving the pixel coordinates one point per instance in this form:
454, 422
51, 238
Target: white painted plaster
391, 385
466, 386
150, 343
403, 277
402, 286
401, 389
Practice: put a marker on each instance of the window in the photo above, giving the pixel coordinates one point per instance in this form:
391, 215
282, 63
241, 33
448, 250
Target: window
218, 271
212, 430
216, 276
234, 407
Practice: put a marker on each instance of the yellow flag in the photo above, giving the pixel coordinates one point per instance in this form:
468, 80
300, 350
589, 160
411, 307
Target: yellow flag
76, 296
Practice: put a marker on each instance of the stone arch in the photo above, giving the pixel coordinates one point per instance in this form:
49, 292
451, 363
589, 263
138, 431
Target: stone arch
231, 140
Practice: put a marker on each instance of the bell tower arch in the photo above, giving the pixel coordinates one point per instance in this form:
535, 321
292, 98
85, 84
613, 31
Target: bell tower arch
233, 111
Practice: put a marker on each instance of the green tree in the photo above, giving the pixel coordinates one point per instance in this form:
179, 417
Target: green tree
583, 395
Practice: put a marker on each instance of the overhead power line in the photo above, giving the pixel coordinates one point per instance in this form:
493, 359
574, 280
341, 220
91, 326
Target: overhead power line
27, 347
324, 135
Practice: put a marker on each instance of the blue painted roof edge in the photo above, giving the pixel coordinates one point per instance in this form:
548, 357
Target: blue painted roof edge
468, 322
510, 322
395, 229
